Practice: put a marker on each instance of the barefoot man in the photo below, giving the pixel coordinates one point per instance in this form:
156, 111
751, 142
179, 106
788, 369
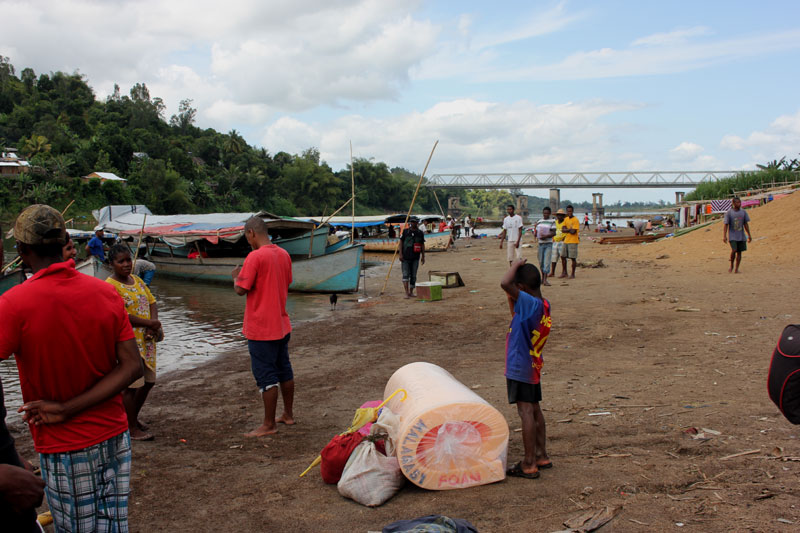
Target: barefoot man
265, 279
735, 225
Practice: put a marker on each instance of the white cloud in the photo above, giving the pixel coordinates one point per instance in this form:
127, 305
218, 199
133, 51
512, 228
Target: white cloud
781, 138
671, 38
665, 58
686, 150
277, 55
474, 136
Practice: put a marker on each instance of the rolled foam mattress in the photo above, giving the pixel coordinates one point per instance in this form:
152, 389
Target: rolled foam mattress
448, 437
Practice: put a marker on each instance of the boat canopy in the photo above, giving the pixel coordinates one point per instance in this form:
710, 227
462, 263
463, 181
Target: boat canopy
179, 230
399, 219
345, 221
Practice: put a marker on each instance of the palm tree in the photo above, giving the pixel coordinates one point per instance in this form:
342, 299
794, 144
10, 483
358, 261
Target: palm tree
35, 145
234, 143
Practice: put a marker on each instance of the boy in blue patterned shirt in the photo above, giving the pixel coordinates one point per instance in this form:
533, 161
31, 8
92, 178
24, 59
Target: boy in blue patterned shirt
527, 335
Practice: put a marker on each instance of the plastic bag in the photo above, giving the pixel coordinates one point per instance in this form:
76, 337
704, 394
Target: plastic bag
369, 477
386, 426
335, 455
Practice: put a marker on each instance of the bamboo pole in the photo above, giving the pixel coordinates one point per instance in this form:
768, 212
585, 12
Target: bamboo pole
335, 212
439, 204
408, 215
353, 197
136, 252
13, 263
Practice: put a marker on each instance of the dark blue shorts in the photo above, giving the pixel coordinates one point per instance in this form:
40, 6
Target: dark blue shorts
270, 362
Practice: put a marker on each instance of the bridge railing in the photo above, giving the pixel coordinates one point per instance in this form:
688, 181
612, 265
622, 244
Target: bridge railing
585, 180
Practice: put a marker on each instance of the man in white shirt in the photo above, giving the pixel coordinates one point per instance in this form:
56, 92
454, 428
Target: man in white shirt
512, 227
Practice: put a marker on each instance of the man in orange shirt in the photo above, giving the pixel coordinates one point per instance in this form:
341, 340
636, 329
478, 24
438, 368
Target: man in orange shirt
265, 279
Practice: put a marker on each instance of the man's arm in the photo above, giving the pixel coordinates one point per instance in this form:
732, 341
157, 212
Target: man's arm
747, 230
725, 231
423, 250
128, 370
502, 237
235, 274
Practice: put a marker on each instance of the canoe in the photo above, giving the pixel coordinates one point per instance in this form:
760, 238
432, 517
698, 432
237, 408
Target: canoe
11, 279
93, 267
337, 245
338, 271
434, 242
299, 246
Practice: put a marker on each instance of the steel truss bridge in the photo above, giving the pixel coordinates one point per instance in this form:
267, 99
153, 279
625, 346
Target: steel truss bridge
579, 180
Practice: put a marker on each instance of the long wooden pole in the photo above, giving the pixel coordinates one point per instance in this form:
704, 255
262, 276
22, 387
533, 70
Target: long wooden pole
334, 213
138, 244
408, 215
353, 197
437, 202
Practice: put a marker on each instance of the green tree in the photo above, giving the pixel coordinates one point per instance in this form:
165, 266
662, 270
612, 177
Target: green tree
36, 144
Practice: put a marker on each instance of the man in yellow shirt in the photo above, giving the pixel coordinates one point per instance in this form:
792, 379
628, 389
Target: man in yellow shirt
569, 249
558, 240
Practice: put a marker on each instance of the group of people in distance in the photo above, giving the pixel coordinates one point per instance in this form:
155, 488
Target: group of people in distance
557, 239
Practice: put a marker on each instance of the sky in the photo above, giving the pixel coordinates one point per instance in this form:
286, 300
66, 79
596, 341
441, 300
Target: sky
504, 86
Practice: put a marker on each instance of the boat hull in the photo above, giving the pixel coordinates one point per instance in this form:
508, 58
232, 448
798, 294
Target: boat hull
434, 242
93, 267
334, 272
299, 246
12, 279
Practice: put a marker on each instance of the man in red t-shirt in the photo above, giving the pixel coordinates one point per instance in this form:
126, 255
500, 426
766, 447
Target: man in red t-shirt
75, 353
265, 279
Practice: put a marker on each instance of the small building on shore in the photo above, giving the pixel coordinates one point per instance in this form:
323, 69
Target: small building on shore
11, 164
103, 177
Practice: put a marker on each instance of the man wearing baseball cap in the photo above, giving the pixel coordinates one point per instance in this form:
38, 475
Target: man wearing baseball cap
75, 353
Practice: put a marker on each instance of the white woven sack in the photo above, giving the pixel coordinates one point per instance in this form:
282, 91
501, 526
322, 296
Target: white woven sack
369, 477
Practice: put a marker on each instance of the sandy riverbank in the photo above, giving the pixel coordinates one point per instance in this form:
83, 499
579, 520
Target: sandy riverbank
618, 344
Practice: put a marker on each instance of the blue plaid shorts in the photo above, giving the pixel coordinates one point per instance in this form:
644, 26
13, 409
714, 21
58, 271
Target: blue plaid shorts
87, 490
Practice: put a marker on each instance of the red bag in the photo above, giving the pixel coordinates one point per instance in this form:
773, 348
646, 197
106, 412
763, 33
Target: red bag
335, 455
417, 247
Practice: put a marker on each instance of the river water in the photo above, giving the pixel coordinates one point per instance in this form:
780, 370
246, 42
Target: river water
200, 320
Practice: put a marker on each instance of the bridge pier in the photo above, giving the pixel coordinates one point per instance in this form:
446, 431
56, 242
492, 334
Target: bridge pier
454, 207
679, 197
555, 199
521, 207
597, 207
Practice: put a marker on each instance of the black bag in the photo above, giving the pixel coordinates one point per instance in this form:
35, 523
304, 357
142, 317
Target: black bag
783, 381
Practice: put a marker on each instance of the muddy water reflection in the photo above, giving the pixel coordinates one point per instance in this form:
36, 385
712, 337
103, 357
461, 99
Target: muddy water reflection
200, 321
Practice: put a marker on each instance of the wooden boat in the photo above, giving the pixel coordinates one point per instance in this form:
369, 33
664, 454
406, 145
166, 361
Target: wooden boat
11, 279
337, 245
434, 242
630, 239
93, 267
314, 241
338, 271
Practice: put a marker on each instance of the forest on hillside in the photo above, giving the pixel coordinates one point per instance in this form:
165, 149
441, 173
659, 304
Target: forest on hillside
173, 166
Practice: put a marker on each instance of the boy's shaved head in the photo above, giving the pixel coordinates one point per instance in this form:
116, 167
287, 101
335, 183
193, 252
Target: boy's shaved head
256, 224
529, 276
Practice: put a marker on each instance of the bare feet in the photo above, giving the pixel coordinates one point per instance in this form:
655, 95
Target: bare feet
262, 431
546, 283
730, 269
286, 419
142, 425
408, 296
138, 434
563, 275
572, 276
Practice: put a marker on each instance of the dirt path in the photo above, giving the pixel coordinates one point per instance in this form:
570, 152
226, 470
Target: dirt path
619, 344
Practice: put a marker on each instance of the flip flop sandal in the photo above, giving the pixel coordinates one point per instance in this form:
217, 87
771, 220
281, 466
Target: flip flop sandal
516, 471
545, 466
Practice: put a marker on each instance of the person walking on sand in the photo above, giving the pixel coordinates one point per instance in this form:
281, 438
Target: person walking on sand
75, 354
545, 230
265, 279
525, 340
569, 249
412, 243
512, 227
586, 221
736, 223
467, 226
